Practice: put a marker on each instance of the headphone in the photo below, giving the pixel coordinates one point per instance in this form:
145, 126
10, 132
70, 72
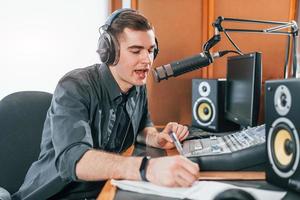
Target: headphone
108, 46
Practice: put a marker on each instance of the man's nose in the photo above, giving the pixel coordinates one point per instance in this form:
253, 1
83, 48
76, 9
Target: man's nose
147, 57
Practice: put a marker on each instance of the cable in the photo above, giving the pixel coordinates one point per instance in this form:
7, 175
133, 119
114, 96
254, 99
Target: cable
223, 53
231, 41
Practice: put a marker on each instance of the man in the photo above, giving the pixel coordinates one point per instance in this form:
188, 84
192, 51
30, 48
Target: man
97, 113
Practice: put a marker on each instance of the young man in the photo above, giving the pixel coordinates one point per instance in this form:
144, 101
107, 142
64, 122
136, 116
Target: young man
96, 113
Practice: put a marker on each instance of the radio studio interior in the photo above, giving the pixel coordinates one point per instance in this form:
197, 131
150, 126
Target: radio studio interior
210, 85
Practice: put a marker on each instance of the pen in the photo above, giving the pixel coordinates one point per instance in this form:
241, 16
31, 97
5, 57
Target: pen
177, 143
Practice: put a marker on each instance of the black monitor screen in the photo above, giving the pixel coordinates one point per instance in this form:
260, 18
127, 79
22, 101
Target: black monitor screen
243, 89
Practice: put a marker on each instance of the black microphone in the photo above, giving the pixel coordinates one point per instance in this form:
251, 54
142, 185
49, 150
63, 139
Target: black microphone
183, 66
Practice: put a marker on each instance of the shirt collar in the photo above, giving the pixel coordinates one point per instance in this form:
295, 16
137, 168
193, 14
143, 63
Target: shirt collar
112, 86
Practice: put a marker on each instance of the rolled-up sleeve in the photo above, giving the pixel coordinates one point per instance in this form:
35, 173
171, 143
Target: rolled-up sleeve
70, 127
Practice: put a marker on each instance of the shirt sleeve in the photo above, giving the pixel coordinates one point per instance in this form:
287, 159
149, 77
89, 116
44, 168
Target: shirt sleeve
70, 128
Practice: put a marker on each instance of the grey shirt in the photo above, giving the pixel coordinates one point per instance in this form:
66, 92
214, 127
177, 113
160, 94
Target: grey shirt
83, 115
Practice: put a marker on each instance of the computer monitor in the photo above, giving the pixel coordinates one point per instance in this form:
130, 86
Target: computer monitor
243, 89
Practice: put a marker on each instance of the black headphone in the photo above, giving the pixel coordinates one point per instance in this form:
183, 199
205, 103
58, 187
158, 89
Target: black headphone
108, 46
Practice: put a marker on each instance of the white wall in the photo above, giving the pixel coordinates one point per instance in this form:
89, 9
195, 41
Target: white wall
41, 40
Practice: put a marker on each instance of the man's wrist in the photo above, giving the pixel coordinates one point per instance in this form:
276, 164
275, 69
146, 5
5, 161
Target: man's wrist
143, 168
156, 140
150, 134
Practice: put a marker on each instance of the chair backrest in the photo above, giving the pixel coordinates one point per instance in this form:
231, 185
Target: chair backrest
22, 116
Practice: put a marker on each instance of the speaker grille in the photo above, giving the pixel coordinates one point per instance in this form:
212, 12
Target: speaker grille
283, 147
204, 111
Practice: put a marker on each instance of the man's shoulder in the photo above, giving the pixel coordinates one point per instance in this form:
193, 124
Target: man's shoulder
82, 74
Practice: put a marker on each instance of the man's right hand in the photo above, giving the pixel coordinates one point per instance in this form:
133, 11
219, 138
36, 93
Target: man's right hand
173, 171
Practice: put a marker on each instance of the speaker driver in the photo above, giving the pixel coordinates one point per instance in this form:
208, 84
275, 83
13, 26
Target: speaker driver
283, 147
282, 100
204, 89
204, 111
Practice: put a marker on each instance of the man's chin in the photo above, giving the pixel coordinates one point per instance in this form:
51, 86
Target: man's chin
140, 82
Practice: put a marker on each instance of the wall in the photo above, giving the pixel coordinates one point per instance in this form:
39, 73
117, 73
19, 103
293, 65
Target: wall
182, 27
178, 27
42, 40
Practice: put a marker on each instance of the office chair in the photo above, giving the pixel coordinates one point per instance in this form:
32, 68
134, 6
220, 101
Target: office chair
22, 116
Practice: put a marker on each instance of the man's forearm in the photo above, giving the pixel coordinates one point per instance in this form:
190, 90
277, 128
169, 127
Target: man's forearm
98, 165
149, 136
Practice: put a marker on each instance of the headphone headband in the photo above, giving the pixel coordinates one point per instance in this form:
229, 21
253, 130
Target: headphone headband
115, 14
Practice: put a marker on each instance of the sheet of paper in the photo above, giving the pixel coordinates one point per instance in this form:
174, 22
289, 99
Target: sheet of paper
204, 190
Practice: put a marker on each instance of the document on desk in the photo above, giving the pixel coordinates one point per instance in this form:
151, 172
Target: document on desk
204, 190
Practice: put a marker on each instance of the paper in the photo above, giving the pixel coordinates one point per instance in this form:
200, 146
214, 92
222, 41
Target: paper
204, 190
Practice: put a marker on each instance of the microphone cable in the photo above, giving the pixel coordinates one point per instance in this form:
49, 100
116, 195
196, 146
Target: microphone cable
231, 41
219, 54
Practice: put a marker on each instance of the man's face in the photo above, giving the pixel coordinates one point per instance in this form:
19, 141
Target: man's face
136, 58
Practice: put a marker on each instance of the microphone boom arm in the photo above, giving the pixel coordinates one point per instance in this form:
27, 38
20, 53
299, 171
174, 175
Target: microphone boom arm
206, 58
280, 25
292, 31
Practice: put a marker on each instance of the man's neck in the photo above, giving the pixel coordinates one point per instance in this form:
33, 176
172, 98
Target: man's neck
122, 84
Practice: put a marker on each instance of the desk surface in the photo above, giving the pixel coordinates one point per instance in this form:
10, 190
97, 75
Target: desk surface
249, 179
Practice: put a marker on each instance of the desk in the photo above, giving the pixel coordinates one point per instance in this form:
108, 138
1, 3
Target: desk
249, 179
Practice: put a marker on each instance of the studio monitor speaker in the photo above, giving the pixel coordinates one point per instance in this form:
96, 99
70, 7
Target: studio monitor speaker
282, 112
208, 98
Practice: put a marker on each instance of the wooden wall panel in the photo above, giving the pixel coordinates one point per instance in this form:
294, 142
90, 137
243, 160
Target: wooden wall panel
114, 5
272, 46
178, 26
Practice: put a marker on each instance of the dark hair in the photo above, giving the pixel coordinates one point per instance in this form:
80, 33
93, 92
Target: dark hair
129, 19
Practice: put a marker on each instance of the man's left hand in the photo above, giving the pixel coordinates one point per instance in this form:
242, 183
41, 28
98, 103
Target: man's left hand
165, 141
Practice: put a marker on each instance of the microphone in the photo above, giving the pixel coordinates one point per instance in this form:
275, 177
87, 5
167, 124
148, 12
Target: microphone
189, 64
183, 66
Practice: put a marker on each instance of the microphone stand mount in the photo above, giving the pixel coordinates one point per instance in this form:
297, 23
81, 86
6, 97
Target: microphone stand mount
292, 30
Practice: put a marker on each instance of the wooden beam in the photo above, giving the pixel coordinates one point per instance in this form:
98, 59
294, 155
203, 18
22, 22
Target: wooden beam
114, 5
210, 30
293, 10
134, 4
292, 16
208, 8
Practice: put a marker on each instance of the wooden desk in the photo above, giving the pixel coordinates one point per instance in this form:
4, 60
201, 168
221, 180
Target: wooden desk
109, 191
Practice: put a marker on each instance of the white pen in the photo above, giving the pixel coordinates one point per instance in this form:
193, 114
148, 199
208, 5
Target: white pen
176, 142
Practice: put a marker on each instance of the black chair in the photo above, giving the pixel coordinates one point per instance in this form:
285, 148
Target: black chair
22, 116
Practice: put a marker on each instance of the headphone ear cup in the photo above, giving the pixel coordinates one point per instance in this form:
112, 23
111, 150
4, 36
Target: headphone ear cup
156, 49
108, 49
155, 53
104, 47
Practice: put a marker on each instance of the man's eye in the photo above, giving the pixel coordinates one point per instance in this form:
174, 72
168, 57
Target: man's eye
135, 51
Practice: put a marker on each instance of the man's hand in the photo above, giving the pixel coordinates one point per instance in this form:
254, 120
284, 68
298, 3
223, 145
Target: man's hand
174, 171
164, 140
